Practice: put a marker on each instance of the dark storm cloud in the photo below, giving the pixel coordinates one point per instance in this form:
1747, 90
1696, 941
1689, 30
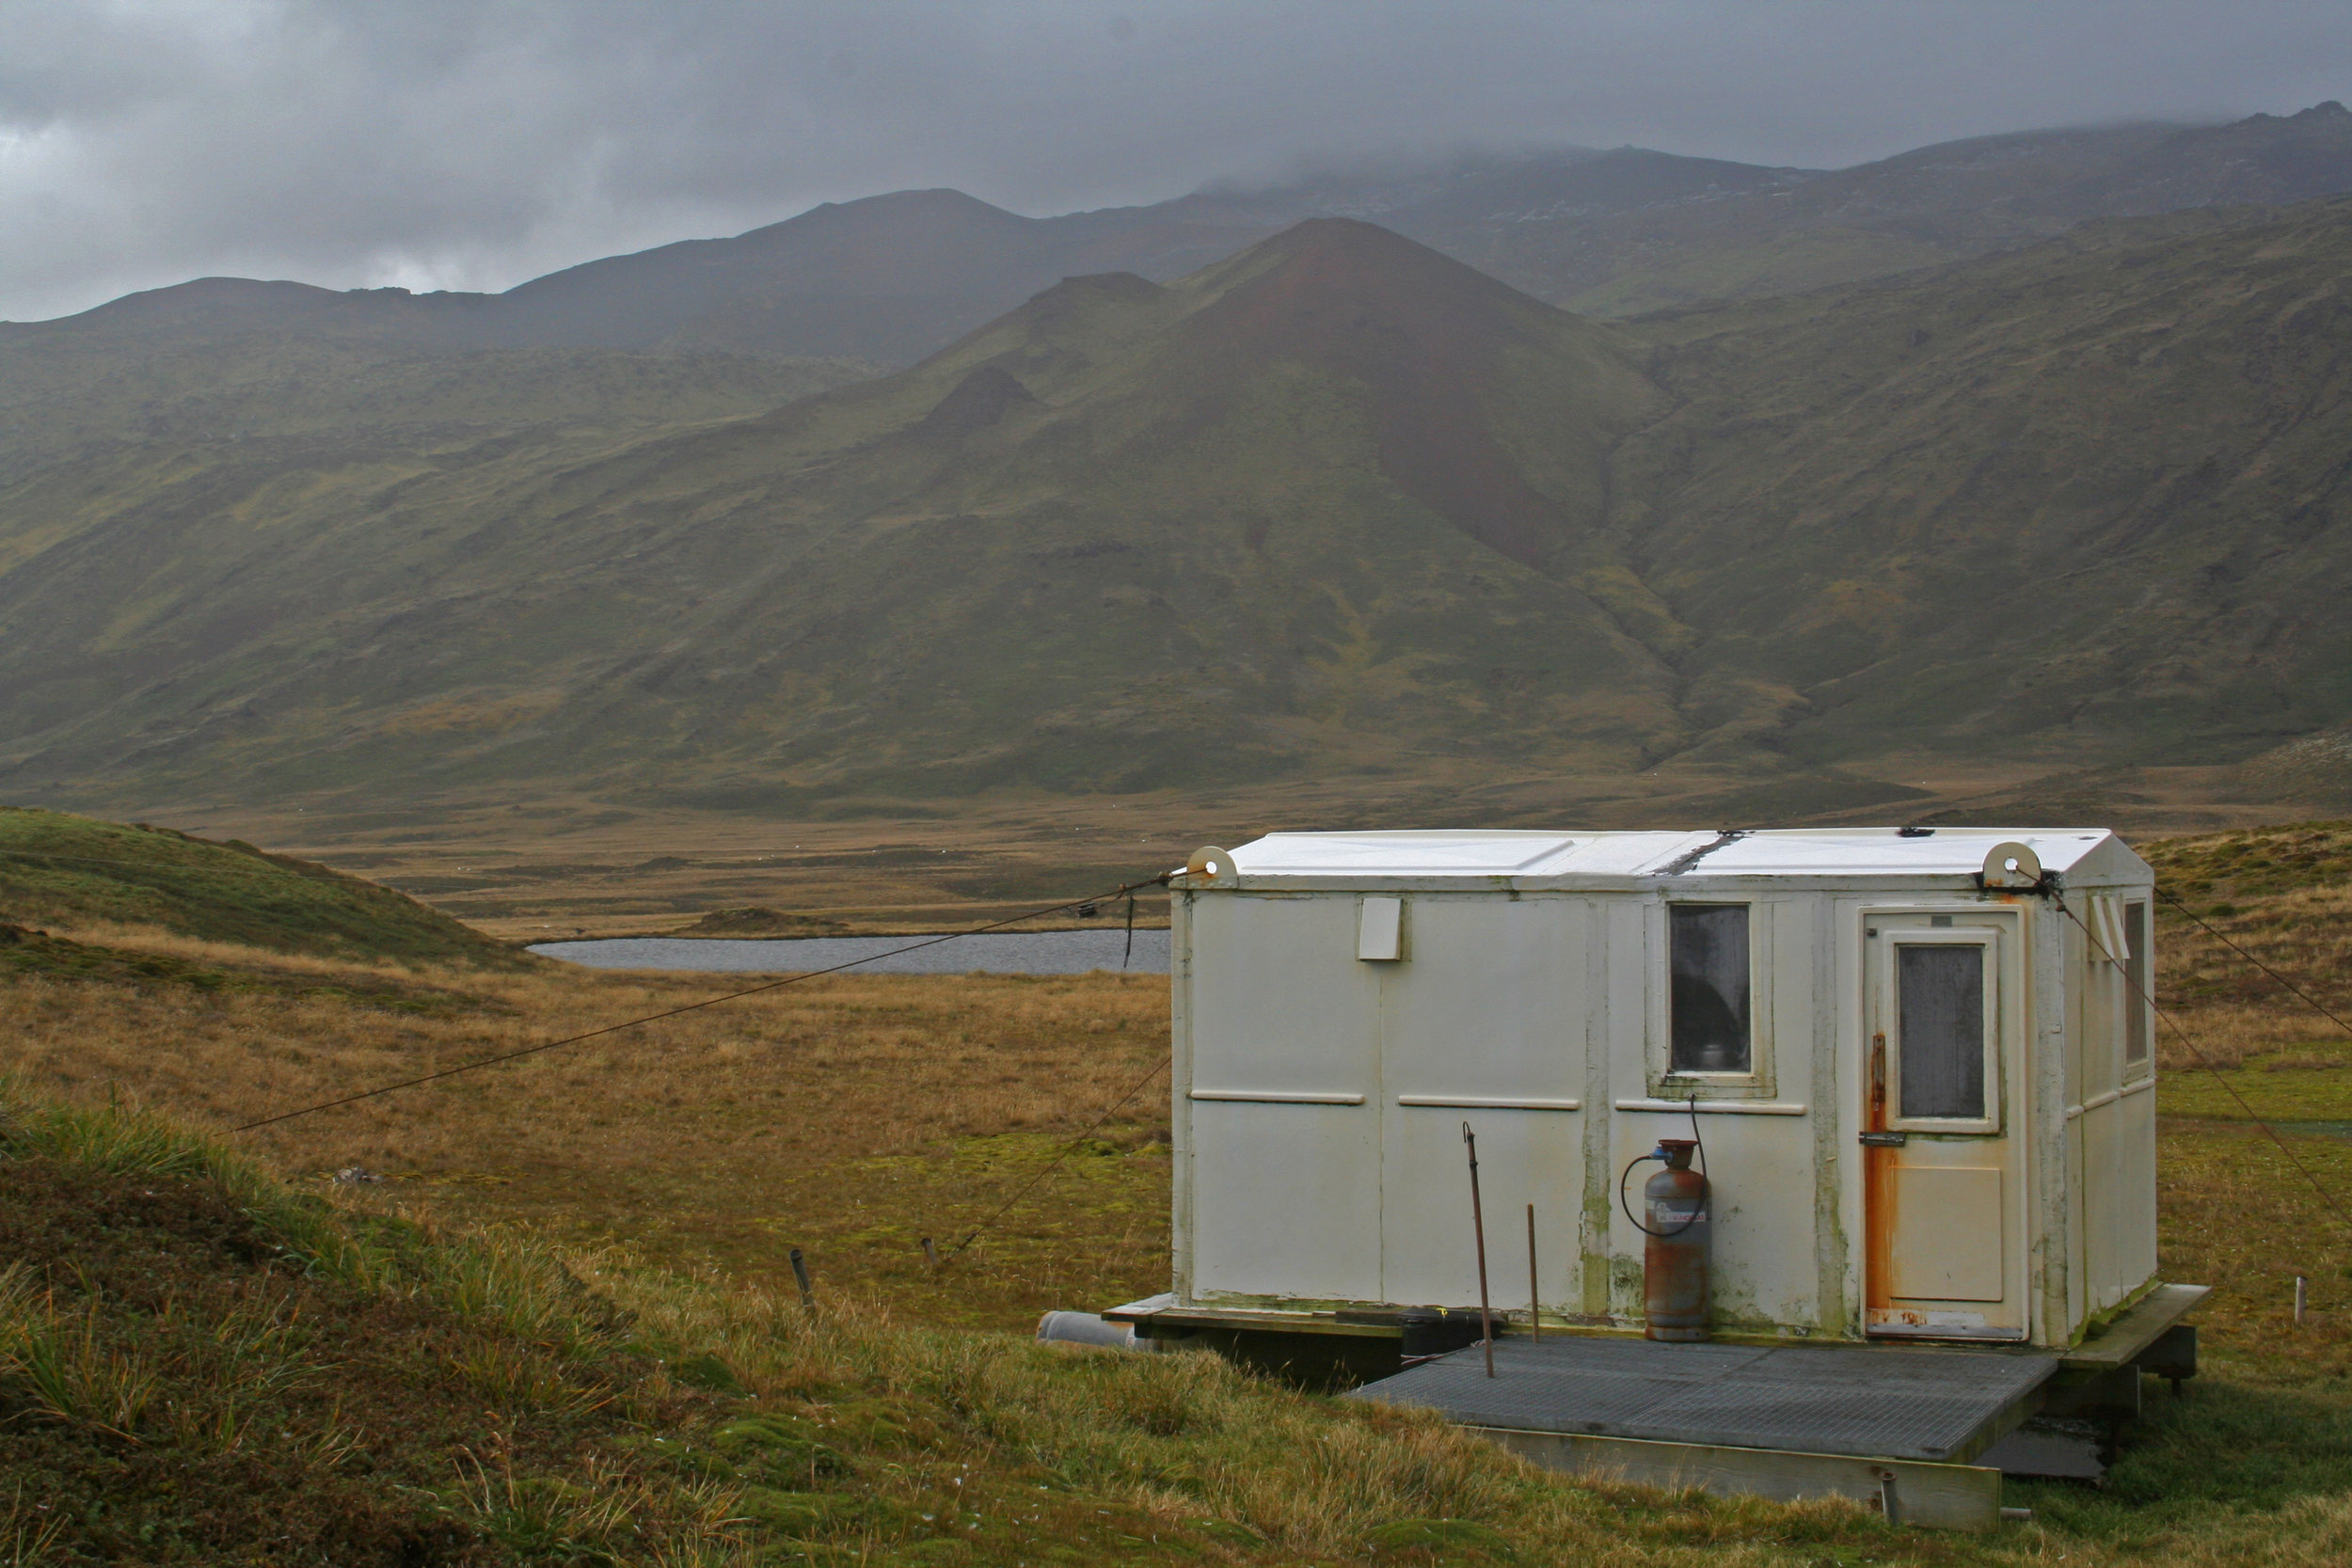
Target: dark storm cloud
474, 145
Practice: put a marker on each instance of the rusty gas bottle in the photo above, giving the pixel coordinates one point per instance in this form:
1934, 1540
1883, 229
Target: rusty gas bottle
1674, 1262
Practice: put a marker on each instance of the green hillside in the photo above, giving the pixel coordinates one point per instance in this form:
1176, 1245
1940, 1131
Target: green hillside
1324, 500
61, 870
193, 384
2087, 499
1338, 506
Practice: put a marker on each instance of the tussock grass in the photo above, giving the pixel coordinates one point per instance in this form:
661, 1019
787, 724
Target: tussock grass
568, 1398
851, 1116
174, 1324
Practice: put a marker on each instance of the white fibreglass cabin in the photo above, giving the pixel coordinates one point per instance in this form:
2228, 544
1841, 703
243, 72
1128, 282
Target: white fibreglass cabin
1922, 1061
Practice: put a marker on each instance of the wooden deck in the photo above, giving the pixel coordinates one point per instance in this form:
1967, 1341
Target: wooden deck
1895, 1427
1914, 1430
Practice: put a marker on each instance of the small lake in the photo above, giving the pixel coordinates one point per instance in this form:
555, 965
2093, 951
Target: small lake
991, 952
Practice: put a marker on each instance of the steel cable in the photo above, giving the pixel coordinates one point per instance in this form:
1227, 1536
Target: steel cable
1054, 1164
2255, 962
2202, 1060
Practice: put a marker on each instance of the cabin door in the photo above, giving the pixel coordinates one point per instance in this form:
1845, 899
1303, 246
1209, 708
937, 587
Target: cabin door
1943, 1184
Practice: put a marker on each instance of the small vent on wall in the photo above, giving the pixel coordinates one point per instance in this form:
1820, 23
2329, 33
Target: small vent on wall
1380, 930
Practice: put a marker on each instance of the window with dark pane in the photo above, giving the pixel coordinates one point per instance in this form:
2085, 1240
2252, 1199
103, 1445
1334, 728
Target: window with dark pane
1940, 992
1708, 944
2136, 969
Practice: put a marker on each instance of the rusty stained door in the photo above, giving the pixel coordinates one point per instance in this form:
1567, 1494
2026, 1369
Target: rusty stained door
1944, 1180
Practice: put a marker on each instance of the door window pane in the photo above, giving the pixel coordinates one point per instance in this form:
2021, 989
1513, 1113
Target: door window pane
2136, 970
1940, 992
1710, 1002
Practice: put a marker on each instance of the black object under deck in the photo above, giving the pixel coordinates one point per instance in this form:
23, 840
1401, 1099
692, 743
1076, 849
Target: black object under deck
1941, 1405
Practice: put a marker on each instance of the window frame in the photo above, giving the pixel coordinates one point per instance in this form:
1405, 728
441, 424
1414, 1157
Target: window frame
1886, 986
1664, 1082
2136, 972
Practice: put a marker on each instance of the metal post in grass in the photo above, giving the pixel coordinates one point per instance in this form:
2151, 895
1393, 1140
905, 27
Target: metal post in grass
799, 1273
1535, 1295
2302, 1298
1478, 1224
931, 1253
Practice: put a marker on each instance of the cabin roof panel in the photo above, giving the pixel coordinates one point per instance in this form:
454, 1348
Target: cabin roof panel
1804, 853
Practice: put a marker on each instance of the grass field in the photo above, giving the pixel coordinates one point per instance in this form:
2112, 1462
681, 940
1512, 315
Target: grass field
851, 1117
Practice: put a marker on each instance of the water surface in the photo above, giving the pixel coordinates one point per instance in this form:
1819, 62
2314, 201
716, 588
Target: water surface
992, 953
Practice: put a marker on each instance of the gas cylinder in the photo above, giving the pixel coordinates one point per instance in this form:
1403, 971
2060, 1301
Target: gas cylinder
1674, 1264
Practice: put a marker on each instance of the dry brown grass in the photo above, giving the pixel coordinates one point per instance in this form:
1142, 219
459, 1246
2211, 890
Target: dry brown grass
891, 1442
849, 1115
2228, 1011
2283, 894
539, 864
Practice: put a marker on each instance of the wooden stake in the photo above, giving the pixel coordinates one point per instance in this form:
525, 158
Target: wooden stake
1535, 1295
1478, 1224
931, 1252
2301, 1299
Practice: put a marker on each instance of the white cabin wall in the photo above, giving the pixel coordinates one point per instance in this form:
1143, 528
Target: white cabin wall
1835, 1118
1608, 925
2115, 1129
1622, 1041
2054, 1155
1558, 995
1763, 1265
2077, 1201
1488, 1005
1764, 1236
2135, 1173
2099, 1041
2135, 1167
1285, 1195
1180, 1226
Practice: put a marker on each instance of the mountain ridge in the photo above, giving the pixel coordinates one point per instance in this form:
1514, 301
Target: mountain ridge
894, 277
1338, 505
1149, 572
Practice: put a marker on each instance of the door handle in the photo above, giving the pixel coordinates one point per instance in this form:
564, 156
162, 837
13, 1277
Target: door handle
1886, 1140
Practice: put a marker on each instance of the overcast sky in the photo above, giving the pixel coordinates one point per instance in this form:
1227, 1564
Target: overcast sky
435, 143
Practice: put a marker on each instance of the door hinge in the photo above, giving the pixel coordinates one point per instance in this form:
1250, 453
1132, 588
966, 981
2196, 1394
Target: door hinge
1886, 1140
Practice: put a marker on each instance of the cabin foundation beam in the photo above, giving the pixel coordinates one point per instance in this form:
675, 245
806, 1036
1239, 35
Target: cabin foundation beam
1909, 1491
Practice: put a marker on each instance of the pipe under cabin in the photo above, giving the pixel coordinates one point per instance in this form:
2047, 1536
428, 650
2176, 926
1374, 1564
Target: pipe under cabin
1919, 1061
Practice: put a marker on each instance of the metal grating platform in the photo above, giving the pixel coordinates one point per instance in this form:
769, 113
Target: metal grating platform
1923, 1405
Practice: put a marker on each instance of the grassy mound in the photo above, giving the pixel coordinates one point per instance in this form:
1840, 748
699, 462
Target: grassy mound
58, 869
26, 953
755, 921
197, 1365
